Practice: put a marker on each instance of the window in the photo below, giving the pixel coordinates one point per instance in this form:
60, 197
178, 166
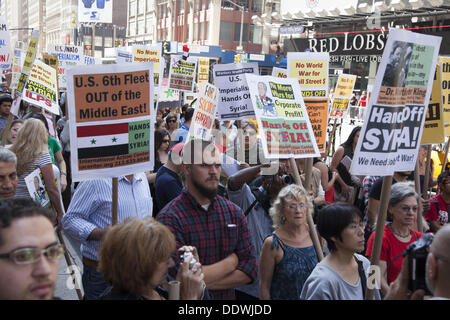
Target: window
207, 31
237, 32
132, 7
141, 26
149, 25
99, 41
226, 31
195, 37
257, 6
150, 5
141, 6
108, 42
180, 4
132, 28
201, 34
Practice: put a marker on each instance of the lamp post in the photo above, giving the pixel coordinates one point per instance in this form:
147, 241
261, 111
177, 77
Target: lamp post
239, 49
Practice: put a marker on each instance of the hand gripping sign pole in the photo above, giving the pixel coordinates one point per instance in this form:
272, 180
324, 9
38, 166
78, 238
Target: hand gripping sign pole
381, 221
312, 229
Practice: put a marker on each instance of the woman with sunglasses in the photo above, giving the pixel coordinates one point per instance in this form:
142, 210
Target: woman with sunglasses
398, 235
172, 123
288, 255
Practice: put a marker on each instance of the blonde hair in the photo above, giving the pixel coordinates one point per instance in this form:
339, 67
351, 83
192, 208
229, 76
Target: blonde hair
131, 252
290, 192
31, 141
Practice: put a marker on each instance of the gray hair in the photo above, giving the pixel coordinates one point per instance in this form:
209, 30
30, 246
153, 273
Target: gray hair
400, 191
7, 155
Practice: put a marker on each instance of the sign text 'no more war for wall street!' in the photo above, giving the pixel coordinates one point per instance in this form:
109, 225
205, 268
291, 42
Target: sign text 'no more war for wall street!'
113, 120
311, 71
393, 125
234, 95
286, 131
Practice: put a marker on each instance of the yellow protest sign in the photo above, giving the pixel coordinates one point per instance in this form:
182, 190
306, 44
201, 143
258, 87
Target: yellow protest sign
203, 70
433, 129
446, 92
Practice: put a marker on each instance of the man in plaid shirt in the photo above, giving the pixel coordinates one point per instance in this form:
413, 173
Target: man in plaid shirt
212, 224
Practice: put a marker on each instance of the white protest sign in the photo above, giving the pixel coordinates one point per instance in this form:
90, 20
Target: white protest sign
123, 56
283, 121
390, 137
204, 113
279, 72
234, 97
5, 47
68, 56
95, 11
37, 190
41, 88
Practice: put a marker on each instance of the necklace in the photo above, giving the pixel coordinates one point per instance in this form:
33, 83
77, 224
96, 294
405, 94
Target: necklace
400, 235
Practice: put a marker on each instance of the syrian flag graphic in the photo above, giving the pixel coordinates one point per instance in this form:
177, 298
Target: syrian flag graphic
102, 140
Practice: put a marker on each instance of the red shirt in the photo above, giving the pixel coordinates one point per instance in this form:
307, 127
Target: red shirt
390, 248
442, 215
363, 101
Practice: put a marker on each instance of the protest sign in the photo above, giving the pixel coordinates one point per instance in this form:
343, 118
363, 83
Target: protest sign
51, 60
204, 113
433, 129
393, 125
91, 60
283, 121
279, 72
311, 70
68, 56
152, 54
111, 120
446, 92
95, 11
26, 68
41, 88
37, 190
203, 70
167, 98
17, 63
182, 73
123, 56
342, 95
5, 47
234, 97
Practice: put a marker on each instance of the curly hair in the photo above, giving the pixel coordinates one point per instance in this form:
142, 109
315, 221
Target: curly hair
31, 141
290, 192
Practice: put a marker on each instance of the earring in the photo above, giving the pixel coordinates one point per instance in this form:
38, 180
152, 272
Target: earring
282, 219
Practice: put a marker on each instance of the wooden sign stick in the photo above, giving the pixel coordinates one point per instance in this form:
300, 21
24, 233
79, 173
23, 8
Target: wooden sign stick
445, 155
69, 263
115, 198
426, 180
381, 221
417, 187
312, 229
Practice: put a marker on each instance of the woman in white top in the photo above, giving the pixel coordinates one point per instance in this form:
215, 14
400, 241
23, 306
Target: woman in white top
342, 274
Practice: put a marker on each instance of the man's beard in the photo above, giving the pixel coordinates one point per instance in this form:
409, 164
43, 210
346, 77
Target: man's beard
209, 193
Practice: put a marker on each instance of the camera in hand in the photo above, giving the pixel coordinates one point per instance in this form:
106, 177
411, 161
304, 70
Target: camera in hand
417, 253
185, 255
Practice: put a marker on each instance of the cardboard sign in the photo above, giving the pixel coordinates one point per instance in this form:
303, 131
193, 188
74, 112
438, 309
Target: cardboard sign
168, 98
311, 70
279, 72
342, 95
283, 121
446, 92
95, 11
204, 113
5, 46
123, 56
203, 71
148, 54
390, 137
17, 63
234, 96
111, 120
41, 88
182, 73
68, 56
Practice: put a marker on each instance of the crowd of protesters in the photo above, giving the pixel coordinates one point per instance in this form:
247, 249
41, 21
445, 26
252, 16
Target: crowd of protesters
246, 230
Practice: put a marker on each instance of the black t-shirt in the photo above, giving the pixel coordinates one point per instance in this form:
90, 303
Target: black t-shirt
375, 191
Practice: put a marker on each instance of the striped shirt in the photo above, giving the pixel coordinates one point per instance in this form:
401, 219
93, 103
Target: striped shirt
91, 208
41, 161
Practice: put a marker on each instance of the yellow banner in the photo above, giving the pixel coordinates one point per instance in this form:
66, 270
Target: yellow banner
149, 54
310, 73
342, 95
446, 92
433, 129
29, 59
203, 70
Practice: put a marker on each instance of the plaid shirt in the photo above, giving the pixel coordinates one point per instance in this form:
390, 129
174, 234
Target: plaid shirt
216, 233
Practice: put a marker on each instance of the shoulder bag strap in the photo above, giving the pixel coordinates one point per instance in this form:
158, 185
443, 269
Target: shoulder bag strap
362, 276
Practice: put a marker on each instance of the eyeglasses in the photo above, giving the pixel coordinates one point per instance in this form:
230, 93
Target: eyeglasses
172, 120
166, 141
32, 255
406, 209
295, 206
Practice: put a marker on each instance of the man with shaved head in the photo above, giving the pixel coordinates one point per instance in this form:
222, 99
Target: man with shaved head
437, 271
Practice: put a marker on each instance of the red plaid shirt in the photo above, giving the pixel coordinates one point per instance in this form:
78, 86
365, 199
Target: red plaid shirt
215, 233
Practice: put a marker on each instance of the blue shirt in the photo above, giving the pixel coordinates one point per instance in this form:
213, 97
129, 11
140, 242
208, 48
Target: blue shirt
91, 207
168, 186
181, 134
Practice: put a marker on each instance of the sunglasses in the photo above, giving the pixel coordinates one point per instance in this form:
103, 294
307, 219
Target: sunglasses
31, 255
166, 141
172, 120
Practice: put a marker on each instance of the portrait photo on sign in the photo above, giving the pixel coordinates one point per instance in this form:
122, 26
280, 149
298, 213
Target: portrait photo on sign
264, 102
398, 64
